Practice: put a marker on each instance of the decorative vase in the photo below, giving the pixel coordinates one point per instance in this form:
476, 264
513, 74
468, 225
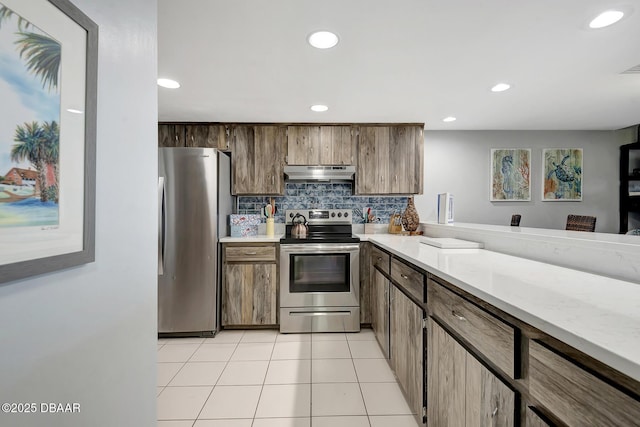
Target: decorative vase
410, 218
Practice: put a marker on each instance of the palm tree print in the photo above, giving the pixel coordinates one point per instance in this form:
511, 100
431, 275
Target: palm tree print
40, 146
6, 13
38, 143
42, 54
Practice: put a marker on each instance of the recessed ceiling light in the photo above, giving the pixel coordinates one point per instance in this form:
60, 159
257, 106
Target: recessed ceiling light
168, 83
606, 18
74, 111
319, 108
323, 39
449, 119
500, 87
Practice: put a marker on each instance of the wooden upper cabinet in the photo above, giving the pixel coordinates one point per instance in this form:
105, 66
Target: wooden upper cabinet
196, 135
303, 145
390, 160
258, 160
171, 135
372, 175
193, 135
320, 145
406, 159
209, 136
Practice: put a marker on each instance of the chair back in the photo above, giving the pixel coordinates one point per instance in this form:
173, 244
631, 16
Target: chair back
581, 223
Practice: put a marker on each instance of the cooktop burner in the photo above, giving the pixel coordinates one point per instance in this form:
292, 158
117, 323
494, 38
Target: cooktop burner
324, 226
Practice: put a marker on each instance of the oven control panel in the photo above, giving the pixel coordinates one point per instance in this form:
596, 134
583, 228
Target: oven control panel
321, 216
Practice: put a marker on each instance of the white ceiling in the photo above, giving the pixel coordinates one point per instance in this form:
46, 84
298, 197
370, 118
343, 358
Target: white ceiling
401, 61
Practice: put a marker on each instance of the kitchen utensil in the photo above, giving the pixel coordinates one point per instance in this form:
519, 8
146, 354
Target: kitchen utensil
358, 212
299, 226
268, 211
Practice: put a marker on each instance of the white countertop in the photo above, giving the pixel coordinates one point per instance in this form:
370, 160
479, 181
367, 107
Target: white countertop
261, 238
597, 315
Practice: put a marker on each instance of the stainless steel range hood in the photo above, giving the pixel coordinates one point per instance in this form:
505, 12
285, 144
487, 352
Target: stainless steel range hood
319, 173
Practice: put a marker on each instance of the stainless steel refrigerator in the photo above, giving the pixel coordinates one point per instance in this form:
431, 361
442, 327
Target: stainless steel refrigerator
194, 192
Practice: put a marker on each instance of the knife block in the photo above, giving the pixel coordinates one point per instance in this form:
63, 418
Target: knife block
395, 226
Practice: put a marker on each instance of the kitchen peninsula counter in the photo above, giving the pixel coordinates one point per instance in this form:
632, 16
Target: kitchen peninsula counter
597, 315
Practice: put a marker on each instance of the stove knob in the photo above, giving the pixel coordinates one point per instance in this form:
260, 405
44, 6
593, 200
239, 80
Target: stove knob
346, 214
339, 214
333, 214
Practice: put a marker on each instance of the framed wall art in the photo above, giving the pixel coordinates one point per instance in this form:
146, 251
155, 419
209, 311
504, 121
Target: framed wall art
510, 174
48, 87
561, 174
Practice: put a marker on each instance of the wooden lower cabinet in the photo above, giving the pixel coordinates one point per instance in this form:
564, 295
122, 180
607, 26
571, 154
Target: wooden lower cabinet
461, 391
406, 348
380, 309
249, 285
365, 283
575, 396
533, 419
250, 295
489, 402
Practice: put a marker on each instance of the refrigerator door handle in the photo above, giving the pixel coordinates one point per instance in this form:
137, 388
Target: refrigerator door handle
161, 225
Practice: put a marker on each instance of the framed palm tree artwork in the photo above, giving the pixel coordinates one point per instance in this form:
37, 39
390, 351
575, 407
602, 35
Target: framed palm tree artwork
48, 86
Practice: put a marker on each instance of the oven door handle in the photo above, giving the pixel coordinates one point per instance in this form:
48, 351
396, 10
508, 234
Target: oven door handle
318, 248
320, 313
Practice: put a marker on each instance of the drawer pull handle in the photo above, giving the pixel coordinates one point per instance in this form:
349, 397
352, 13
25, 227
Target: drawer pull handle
404, 276
495, 411
458, 316
379, 258
251, 253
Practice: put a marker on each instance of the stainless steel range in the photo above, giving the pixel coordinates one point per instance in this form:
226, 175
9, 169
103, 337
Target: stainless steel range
319, 273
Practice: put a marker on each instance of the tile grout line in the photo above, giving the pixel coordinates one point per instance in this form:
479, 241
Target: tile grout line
364, 403
218, 379
255, 412
181, 367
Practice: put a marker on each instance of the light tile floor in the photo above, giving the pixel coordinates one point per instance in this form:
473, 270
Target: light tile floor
266, 379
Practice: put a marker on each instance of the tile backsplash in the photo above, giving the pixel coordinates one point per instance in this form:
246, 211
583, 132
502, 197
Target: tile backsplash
324, 196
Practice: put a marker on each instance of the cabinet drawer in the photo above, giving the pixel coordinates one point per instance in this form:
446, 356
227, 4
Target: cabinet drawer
575, 396
250, 253
380, 259
492, 337
411, 280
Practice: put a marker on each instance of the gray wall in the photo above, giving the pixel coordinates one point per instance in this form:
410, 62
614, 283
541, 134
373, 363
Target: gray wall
458, 162
88, 334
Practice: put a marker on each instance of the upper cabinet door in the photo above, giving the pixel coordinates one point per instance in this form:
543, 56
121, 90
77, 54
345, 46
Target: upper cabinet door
196, 135
303, 145
390, 160
406, 160
171, 135
337, 145
319, 145
258, 160
372, 175
207, 136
